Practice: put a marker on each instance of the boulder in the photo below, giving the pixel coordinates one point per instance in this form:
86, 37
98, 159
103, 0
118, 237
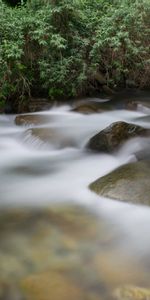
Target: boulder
113, 136
128, 183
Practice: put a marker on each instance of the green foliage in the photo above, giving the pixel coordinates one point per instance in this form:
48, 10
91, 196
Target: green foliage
122, 42
57, 46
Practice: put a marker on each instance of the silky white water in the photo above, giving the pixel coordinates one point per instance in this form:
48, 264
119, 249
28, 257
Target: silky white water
35, 173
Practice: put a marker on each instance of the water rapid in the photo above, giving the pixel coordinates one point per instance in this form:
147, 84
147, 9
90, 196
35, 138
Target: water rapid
36, 173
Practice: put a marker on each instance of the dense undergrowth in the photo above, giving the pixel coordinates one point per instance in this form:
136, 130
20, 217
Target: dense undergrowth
63, 48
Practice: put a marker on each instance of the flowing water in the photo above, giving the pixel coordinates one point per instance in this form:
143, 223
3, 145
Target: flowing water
59, 240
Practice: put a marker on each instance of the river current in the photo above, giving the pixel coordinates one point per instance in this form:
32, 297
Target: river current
38, 173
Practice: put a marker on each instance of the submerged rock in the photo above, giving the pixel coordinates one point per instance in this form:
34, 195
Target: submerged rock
55, 285
129, 183
113, 136
144, 152
87, 108
61, 252
50, 136
33, 119
39, 104
131, 293
94, 105
52, 244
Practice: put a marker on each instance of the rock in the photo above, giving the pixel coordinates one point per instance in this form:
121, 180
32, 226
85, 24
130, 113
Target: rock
56, 286
138, 105
33, 240
114, 268
50, 285
51, 136
131, 98
144, 152
88, 108
61, 252
131, 293
54, 245
33, 119
110, 138
92, 106
39, 104
145, 119
128, 183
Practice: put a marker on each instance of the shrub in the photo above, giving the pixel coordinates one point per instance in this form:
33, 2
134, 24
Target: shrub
54, 47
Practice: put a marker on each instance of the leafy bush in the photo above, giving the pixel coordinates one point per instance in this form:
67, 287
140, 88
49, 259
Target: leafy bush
53, 47
122, 42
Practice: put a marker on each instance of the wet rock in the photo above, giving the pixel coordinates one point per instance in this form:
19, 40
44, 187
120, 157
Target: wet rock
55, 285
131, 293
50, 136
39, 104
39, 241
92, 105
32, 240
115, 135
87, 108
128, 183
33, 119
142, 106
60, 252
131, 99
144, 153
145, 119
114, 268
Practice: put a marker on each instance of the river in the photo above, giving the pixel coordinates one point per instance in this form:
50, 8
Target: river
45, 170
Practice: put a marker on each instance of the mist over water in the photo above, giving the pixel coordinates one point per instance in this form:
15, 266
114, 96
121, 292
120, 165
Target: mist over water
36, 173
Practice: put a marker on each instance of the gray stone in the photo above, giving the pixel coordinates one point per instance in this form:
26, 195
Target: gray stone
115, 135
128, 183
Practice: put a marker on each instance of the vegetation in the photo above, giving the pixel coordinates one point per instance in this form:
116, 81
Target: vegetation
63, 48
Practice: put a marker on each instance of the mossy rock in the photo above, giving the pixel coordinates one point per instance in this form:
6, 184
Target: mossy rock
115, 135
128, 183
